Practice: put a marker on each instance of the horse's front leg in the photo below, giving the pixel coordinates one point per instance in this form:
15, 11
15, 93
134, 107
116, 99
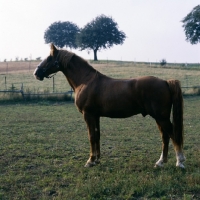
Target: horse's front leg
97, 141
94, 138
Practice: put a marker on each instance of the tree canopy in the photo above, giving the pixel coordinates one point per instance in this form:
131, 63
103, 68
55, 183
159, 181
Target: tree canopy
62, 34
100, 33
191, 24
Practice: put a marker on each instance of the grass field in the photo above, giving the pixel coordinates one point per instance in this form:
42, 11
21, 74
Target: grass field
44, 146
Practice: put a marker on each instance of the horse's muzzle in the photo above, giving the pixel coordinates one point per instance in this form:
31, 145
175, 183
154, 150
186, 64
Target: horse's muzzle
39, 74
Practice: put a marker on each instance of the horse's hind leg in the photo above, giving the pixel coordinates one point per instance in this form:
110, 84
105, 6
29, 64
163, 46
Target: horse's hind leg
180, 158
165, 128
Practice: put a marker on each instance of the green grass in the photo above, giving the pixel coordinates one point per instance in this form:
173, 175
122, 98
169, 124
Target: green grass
44, 146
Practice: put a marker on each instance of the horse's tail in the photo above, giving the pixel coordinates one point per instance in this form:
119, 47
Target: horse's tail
177, 102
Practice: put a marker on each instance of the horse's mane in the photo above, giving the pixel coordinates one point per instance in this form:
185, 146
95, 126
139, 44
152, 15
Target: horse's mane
65, 56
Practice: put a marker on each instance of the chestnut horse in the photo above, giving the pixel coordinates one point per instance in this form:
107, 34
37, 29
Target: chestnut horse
97, 95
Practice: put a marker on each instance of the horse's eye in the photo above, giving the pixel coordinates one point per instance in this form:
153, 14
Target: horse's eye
49, 59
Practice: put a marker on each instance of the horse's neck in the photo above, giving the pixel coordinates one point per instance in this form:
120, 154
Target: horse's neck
78, 73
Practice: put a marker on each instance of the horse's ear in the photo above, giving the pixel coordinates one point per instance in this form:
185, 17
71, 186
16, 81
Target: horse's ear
53, 49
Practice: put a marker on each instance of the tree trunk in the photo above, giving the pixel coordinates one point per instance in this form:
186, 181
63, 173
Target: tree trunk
95, 54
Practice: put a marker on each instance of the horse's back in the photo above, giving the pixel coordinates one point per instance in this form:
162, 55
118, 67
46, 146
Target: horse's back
151, 86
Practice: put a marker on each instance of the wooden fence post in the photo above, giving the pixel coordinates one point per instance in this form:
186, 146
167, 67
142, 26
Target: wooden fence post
6, 67
5, 83
29, 65
22, 91
53, 84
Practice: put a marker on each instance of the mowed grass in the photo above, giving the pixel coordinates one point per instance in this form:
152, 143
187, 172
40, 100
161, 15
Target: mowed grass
44, 146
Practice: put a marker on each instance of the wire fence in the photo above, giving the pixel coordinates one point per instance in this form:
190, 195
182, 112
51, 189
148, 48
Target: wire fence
17, 77
28, 96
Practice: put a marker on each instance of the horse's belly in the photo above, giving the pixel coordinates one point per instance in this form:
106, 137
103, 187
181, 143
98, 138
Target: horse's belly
119, 113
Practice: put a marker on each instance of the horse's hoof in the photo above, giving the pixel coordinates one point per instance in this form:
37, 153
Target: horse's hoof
159, 164
180, 165
90, 164
180, 159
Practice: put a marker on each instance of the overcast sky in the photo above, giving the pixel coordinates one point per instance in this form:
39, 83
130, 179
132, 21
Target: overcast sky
153, 28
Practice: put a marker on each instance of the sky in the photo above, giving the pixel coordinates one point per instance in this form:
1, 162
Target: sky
153, 28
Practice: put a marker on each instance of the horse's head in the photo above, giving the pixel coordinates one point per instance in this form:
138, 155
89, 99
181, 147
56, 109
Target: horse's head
48, 66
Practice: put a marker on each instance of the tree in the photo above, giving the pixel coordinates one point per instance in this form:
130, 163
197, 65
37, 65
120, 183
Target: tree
163, 62
38, 58
191, 24
100, 33
62, 34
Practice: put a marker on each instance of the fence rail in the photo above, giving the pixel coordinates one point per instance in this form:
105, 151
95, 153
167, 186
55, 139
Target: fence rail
24, 95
